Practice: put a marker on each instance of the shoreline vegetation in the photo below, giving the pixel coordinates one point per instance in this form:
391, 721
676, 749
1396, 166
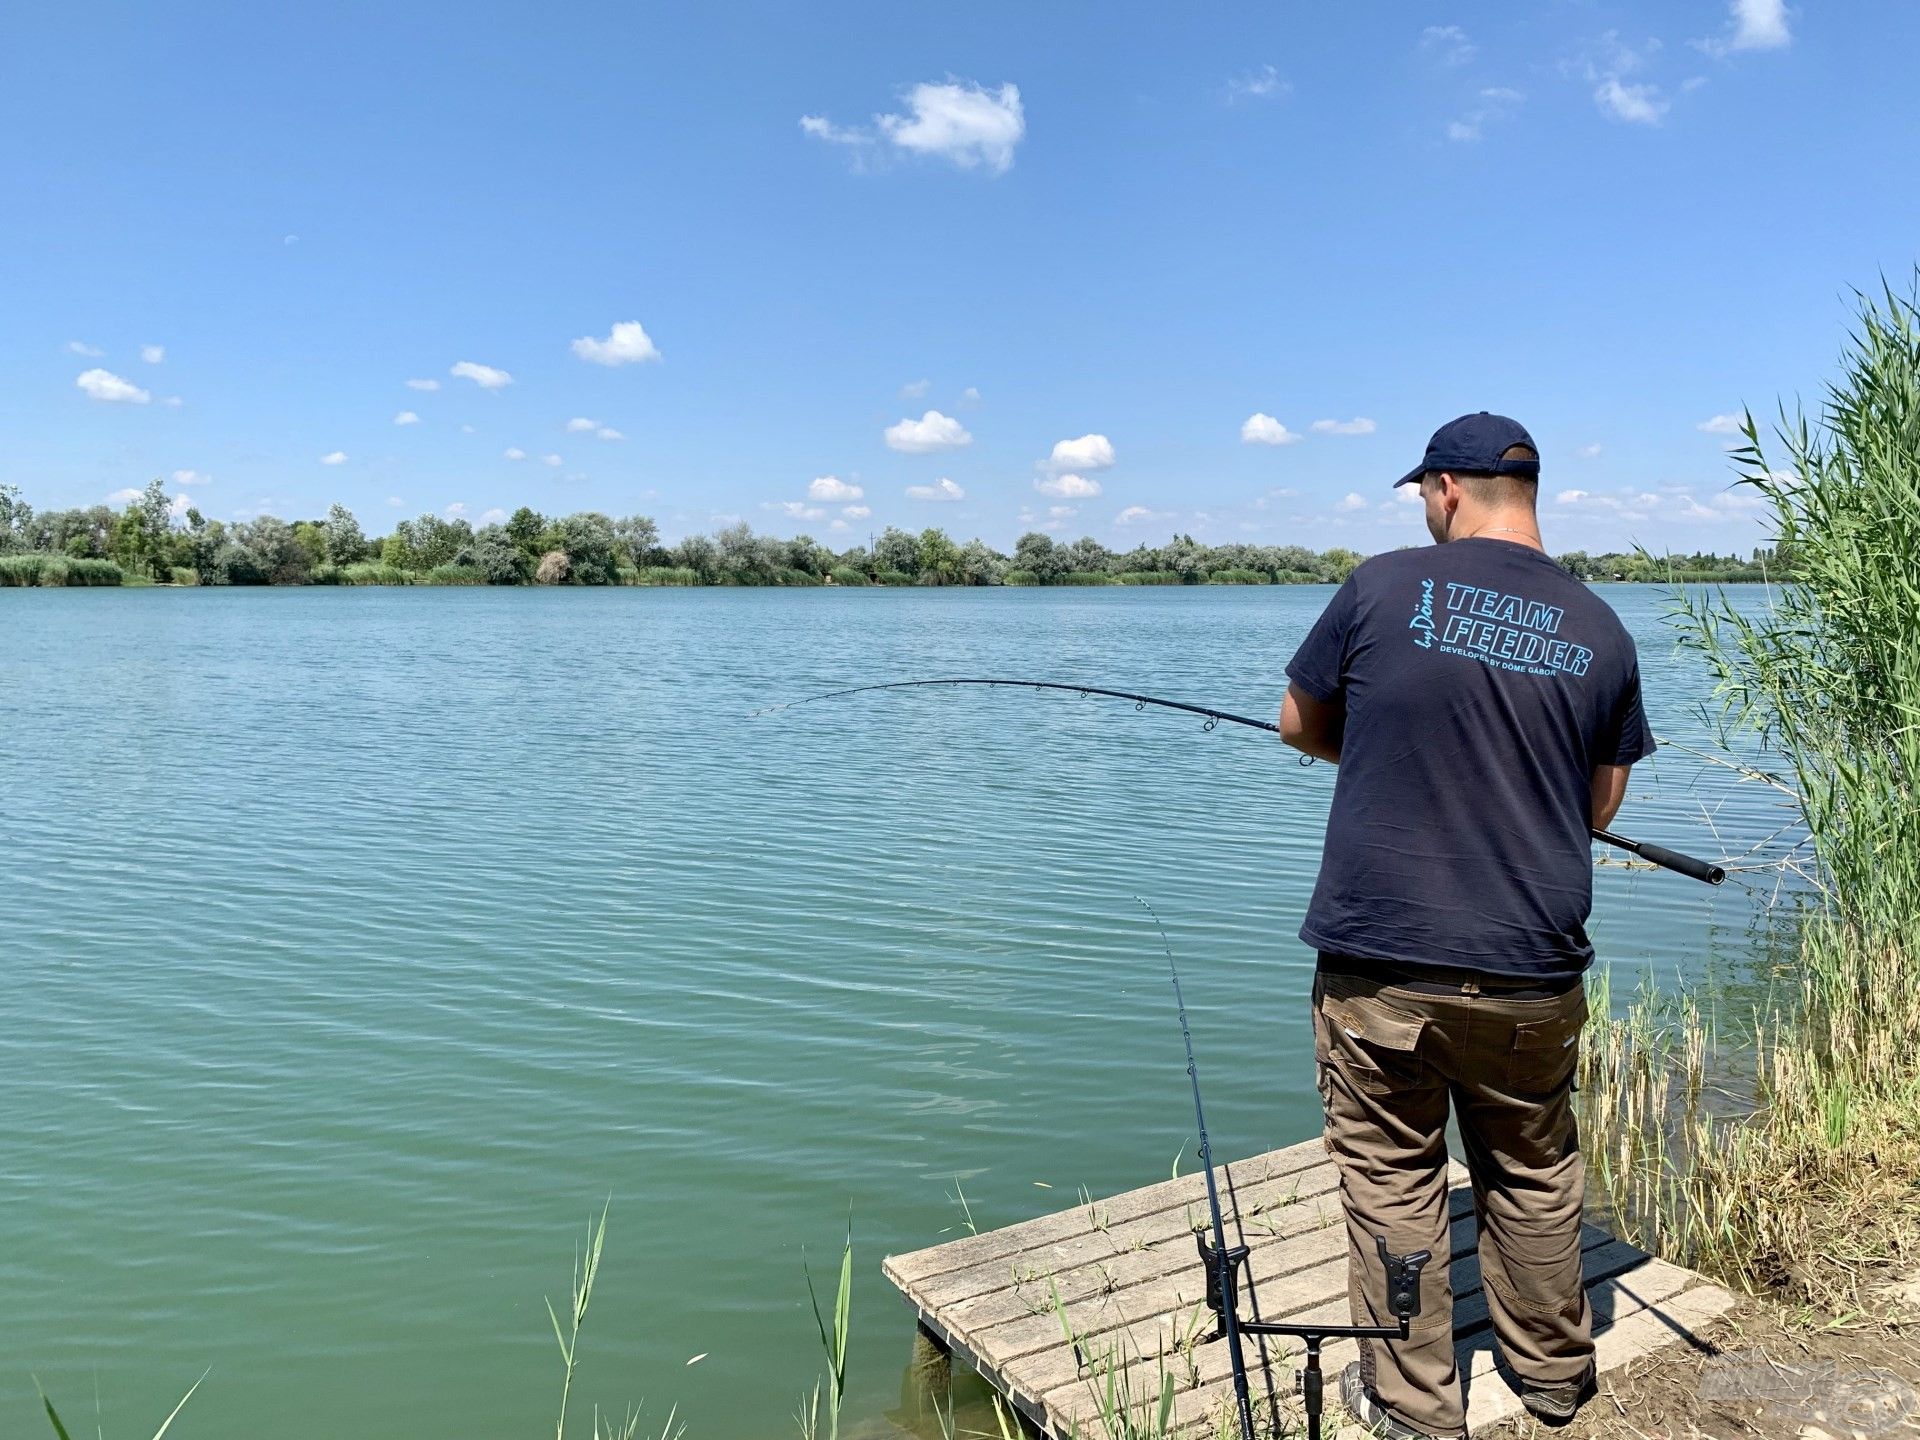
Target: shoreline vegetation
154, 542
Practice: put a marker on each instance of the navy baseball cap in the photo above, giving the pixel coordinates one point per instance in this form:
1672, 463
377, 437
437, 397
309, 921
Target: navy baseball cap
1474, 444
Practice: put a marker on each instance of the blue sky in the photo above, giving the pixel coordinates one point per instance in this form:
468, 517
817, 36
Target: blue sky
1065, 266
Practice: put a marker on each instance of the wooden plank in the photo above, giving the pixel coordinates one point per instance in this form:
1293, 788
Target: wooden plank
920, 1265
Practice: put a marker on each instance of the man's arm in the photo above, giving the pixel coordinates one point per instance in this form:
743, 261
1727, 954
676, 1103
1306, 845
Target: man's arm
1609, 789
1314, 727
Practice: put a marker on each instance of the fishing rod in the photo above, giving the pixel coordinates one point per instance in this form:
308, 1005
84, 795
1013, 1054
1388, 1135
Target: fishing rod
1694, 869
1225, 1265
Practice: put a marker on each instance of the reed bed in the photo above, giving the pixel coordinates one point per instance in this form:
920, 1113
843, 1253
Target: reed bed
1813, 1194
53, 571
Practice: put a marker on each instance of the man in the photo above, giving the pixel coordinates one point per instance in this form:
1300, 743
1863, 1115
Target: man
1484, 710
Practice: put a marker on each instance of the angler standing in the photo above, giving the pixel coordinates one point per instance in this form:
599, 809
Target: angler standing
1484, 710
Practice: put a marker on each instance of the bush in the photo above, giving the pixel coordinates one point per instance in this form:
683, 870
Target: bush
847, 575
663, 575
453, 575
1148, 577
1085, 577
1239, 577
1020, 577
367, 572
53, 571
790, 576
184, 575
893, 577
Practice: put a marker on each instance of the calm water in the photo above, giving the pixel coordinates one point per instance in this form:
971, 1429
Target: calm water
358, 943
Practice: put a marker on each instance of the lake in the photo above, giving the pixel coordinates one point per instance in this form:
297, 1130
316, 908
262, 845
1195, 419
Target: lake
360, 943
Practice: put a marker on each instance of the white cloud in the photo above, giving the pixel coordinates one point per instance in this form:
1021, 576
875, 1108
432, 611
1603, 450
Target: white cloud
831, 487
1089, 452
513, 452
1589, 452
1571, 497
1261, 83
191, 477
123, 497
1260, 428
961, 122
914, 389
334, 457
1635, 104
105, 385
821, 128
579, 425
1060, 512
607, 432
1076, 487
80, 347
495, 516
554, 460
173, 402
1351, 503
395, 502
626, 344
1755, 25
932, 431
1722, 424
1495, 103
941, 489
456, 509
1448, 44
466, 429
406, 417
485, 376
1359, 425
795, 509
153, 354
971, 395
423, 384
1140, 515
857, 512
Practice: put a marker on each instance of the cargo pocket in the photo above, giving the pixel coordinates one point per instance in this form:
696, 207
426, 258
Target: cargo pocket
1546, 1051
1373, 1046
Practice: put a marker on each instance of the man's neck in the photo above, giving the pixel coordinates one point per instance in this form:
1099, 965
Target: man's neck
1516, 526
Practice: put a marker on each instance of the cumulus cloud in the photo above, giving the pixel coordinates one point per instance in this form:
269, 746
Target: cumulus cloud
1260, 428
495, 516
626, 344
191, 477
485, 376
173, 402
1140, 515
1494, 104
396, 503
796, 509
80, 347
423, 384
406, 417
1722, 424
123, 497
1262, 83
514, 452
334, 457
831, 487
914, 389
1089, 452
941, 489
580, 424
1359, 425
1607, 67
932, 431
105, 385
553, 460
1447, 44
1752, 25
971, 395
1589, 452
857, 512
1351, 503
607, 432
456, 509
957, 121
153, 354
1570, 497
1076, 487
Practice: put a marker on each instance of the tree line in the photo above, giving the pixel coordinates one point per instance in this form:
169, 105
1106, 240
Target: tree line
149, 541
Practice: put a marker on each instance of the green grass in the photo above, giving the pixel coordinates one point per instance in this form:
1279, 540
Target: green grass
53, 571
1239, 577
1148, 577
365, 572
847, 575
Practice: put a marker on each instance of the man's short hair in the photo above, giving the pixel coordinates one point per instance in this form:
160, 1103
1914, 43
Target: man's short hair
1501, 489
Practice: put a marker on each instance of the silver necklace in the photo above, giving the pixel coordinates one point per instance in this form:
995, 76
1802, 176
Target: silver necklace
1505, 529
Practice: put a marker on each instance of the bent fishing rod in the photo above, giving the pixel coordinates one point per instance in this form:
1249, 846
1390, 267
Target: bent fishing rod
1226, 1264
1659, 855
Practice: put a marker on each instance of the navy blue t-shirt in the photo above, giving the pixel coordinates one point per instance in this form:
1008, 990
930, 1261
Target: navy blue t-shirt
1483, 687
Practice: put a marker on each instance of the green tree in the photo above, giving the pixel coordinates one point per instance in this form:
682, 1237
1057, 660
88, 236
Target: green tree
897, 550
1341, 563
345, 543
499, 559
637, 536
525, 527
980, 564
589, 541
937, 558
700, 555
16, 519
1038, 554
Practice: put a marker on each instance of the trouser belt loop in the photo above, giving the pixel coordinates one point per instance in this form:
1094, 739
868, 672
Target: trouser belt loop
1470, 987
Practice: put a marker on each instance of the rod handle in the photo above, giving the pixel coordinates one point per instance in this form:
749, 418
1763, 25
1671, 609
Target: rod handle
1694, 869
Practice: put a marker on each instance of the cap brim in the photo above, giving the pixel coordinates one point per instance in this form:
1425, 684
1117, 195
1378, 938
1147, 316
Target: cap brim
1411, 476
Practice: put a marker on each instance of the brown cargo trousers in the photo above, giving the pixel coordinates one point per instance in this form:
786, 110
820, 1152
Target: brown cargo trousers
1391, 1051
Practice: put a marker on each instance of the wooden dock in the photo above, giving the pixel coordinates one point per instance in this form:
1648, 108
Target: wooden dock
1125, 1274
